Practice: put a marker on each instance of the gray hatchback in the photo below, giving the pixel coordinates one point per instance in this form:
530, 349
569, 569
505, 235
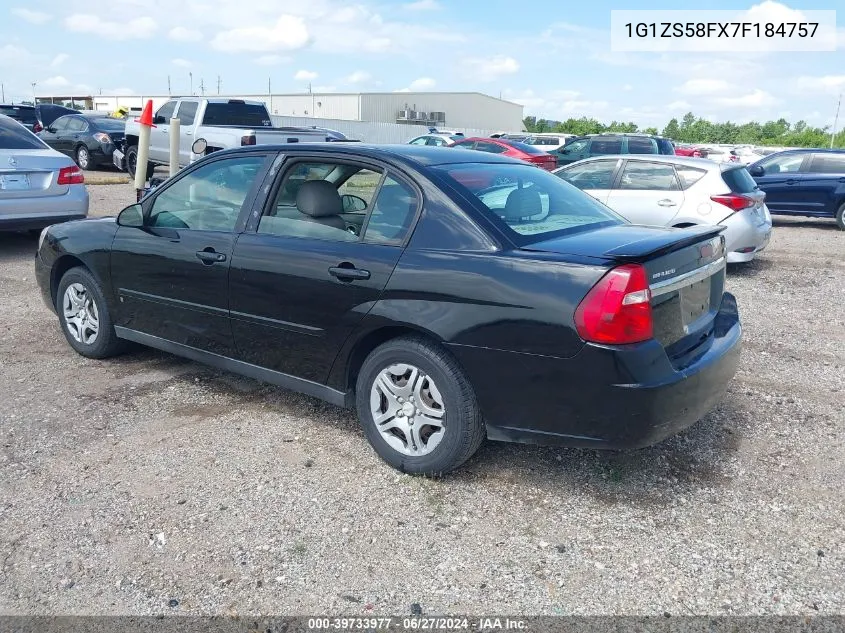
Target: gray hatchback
38, 185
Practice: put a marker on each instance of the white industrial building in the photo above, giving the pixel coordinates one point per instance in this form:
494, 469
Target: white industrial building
447, 110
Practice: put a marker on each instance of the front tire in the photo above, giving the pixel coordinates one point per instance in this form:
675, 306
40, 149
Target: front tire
84, 316
417, 407
840, 218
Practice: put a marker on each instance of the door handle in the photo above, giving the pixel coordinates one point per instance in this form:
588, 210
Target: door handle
667, 203
791, 181
188, 132
348, 272
210, 257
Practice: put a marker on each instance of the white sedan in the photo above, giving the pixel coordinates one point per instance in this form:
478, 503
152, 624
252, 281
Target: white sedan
678, 191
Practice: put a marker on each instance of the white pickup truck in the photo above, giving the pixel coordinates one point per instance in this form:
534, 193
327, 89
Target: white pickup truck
223, 123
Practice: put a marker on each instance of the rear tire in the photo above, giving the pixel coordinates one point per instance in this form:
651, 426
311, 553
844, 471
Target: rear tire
429, 421
840, 218
83, 158
84, 316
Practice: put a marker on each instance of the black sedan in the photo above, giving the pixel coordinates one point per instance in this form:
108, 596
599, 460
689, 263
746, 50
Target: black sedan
446, 294
89, 139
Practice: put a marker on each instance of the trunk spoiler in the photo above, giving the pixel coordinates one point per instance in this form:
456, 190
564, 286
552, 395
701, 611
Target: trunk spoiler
659, 244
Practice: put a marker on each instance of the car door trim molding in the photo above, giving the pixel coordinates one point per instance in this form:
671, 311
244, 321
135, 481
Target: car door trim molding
175, 303
301, 385
277, 323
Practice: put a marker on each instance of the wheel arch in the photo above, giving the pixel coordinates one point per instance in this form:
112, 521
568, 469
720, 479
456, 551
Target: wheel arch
60, 267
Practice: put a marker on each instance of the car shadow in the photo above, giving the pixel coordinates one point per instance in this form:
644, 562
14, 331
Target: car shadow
749, 269
825, 224
14, 245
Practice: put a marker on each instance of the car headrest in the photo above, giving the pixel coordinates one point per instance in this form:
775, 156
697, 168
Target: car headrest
522, 203
318, 199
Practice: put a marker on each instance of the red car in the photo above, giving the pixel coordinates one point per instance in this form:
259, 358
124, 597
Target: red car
688, 150
514, 149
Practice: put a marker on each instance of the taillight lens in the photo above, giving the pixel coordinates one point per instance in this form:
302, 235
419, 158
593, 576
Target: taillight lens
734, 201
102, 137
617, 310
249, 139
696, 154
37, 128
70, 176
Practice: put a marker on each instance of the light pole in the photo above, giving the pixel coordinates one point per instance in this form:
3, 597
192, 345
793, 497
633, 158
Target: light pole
34, 83
835, 120
191, 75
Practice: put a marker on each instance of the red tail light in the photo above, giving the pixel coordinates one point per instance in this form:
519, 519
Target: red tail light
36, 128
696, 153
734, 201
70, 176
249, 139
617, 310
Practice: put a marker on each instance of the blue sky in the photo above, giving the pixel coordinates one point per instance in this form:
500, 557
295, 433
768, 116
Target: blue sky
552, 56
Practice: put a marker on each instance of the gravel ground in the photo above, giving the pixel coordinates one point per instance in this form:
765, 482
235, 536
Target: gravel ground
149, 484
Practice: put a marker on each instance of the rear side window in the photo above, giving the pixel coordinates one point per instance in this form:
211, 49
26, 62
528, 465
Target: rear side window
15, 136
828, 164
739, 180
606, 146
527, 149
642, 176
664, 146
237, 114
638, 145
25, 114
689, 175
493, 148
76, 124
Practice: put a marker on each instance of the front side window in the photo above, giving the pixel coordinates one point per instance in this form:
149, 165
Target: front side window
187, 112
575, 147
642, 176
779, 164
593, 175
419, 141
532, 205
165, 112
209, 198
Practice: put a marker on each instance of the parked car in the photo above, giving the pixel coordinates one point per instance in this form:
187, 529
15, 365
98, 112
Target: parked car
512, 136
222, 123
547, 142
581, 147
46, 113
543, 318
687, 150
89, 139
679, 191
808, 182
437, 140
23, 114
511, 149
718, 154
746, 155
38, 186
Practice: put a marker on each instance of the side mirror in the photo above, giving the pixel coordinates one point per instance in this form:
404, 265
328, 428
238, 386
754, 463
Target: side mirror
50, 129
756, 170
132, 216
199, 146
353, 203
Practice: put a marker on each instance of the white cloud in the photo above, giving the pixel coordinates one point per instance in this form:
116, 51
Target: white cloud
305, 75
377, 44
754, 99
137, 28
829, 84
35, 17
422, 84
55, 82
182, 34
704, 86
491, 68
271, 60
184, 63
59, 59
423, 5
11, 55
403, 90
359, 77
679, 105
288, 33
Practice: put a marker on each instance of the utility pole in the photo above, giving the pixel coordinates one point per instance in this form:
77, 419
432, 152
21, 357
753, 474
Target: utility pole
309, 87
202, 86
218, 84
168, 85
835, 120
191, 75
2, 93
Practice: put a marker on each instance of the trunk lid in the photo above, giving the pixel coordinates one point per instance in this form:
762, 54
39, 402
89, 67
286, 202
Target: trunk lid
31, 173
685, 269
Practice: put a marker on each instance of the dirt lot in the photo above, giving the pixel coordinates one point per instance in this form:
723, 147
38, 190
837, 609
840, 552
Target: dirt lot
149, 484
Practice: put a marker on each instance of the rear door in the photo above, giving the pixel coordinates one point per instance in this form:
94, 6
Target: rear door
170, 277
594, 177
782, 182
187, 115
647, 193
301, 282
824, 184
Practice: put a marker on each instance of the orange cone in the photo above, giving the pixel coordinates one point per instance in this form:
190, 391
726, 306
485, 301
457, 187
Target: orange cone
147, 115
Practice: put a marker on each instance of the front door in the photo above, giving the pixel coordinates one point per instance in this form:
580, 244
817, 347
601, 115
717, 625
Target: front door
824, 183
317, 260
647, 193
171, 275
781, 181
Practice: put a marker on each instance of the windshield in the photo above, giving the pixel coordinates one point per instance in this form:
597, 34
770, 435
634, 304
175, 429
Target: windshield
527, 149
541, 140
236, 114
530, 204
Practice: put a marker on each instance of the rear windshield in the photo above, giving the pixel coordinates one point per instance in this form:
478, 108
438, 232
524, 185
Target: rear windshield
541, 140
524, 147
237, 114
15, 136
739, 180
20, 113
110, 124
530, 204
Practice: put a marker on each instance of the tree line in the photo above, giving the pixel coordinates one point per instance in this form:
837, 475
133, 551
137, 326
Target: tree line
692, 129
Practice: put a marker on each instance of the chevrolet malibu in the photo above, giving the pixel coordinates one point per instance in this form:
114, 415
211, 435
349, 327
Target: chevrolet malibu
386, 279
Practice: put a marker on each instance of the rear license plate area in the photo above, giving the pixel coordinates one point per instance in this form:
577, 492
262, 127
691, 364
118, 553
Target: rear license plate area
695, 301
14, 182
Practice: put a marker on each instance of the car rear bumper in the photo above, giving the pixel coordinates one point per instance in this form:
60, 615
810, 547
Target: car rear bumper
604, 397
17, 214
746, 234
